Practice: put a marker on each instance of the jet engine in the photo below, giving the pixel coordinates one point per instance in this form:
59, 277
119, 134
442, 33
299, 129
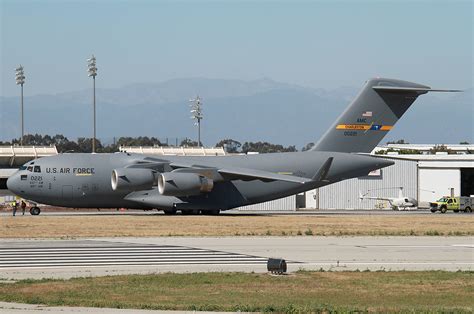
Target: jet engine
183, 184
132, 179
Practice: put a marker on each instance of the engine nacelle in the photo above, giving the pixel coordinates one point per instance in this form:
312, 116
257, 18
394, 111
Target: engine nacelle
132, 179
183, 184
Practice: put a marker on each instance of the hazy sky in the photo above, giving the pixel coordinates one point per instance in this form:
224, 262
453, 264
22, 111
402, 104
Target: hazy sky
313, 43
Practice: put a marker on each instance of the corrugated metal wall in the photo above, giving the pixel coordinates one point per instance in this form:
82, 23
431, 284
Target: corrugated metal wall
345, 194
286, 203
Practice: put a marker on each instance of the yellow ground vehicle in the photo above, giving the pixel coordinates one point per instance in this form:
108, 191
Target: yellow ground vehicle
456, 204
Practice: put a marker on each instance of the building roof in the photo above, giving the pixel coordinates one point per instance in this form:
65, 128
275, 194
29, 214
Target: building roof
15, 156
428, 147
174, 151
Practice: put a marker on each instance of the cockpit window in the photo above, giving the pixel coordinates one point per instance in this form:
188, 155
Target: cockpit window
23, 168
30, 168
37, 169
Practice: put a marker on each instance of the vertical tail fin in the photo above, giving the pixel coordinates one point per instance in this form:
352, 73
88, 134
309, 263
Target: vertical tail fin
371, 115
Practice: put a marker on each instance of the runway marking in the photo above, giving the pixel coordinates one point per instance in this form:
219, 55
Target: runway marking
104, 254
415, 246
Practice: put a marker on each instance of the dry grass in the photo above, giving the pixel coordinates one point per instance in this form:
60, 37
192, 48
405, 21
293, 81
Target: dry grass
432, 291
274, 225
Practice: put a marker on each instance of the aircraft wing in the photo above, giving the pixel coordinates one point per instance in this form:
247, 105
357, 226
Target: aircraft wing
252, 174
234, 173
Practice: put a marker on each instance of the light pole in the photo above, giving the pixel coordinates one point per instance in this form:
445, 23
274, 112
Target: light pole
196, 111
20, 80
92, 70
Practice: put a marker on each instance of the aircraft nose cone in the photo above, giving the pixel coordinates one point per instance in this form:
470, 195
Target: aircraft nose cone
13, 183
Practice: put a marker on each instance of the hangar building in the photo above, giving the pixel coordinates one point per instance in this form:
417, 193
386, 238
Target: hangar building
423, 177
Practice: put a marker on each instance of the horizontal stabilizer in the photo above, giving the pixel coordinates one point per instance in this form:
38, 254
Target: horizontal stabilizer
421, 90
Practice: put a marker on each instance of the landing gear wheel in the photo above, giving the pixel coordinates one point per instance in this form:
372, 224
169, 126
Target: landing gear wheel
190, 211
468, 209
35, 211
170, 211
443, 210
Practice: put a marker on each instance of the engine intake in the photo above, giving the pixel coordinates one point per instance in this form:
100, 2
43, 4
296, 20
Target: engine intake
132, 179
183, 184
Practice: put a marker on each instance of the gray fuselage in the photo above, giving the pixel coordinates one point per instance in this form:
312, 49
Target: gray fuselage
84, 180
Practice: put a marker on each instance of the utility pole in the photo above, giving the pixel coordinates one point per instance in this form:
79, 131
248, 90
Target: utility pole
196, 111
92, 70
20, 80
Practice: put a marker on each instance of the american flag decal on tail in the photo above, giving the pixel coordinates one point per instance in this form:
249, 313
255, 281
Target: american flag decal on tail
367, 114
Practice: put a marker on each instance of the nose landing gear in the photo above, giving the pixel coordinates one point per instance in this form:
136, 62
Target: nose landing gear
35, 211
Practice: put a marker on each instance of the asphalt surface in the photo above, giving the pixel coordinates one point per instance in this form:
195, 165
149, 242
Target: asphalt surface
110, 256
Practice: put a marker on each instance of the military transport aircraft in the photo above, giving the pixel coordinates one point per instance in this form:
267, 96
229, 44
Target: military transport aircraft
208, 185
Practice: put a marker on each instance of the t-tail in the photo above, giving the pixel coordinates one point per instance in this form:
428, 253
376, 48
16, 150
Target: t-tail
371, 115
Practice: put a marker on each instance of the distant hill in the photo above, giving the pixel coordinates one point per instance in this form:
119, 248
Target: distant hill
243, 110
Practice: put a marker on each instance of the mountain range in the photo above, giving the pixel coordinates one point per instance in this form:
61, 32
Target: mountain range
259, 110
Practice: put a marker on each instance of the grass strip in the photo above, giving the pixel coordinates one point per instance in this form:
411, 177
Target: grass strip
420, 291
239, 225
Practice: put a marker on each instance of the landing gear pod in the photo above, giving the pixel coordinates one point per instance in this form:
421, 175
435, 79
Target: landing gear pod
183, 184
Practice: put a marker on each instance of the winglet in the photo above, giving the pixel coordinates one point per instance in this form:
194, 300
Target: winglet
322, 173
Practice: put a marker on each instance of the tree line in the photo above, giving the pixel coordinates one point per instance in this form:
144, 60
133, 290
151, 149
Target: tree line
84, 145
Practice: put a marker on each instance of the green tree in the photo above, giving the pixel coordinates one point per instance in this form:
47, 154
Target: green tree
189, 143
265, 147
440, 148
401, 141
85, 145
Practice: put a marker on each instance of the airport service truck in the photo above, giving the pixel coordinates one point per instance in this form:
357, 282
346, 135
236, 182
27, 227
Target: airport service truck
456, 204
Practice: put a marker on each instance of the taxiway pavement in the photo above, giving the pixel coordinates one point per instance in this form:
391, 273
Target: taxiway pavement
21, 259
